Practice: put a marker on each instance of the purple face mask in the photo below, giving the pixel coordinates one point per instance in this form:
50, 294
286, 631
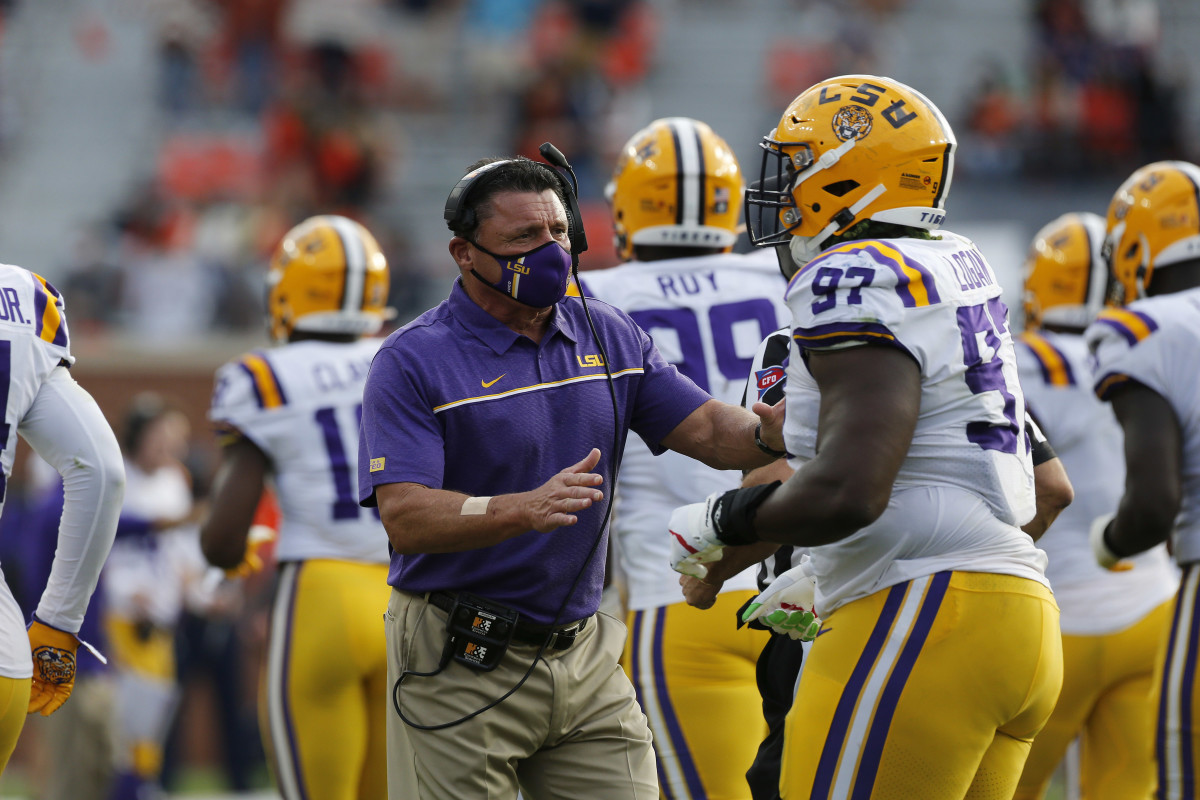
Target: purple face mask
536, 278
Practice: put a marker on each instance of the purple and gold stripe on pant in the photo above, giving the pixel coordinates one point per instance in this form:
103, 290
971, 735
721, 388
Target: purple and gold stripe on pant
678, 777
849, 761
286, 752
1174, 742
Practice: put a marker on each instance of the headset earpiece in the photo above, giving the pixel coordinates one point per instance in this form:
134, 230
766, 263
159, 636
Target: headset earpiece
458, 216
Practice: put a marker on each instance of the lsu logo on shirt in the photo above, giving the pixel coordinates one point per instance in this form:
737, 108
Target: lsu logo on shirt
591, 360
766, 378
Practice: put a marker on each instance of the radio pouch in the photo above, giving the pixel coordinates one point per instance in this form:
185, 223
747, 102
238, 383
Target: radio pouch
478, 631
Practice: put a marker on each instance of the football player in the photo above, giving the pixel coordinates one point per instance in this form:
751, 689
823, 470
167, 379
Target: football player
63, 425
912, 504
676, 199
1147, 367
291, 415
1111, 621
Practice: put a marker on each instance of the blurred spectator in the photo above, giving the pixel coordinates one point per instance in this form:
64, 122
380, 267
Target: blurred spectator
154, 560
993, 126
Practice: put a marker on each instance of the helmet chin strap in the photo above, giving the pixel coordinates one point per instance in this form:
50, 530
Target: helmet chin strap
806, 248
827, 160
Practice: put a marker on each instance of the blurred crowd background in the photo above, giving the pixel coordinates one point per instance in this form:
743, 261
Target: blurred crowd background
152, 152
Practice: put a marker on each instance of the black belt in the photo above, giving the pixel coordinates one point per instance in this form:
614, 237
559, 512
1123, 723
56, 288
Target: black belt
524, 632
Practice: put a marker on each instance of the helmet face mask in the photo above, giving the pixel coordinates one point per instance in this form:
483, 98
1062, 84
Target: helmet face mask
1153, 221
1066, 276
327, 276
675, 184
848, 149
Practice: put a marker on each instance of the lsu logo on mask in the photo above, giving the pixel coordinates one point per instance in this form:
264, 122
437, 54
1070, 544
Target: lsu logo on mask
591, 360
767, 378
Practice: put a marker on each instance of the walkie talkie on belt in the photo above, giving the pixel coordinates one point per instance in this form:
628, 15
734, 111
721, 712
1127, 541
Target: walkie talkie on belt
479, 631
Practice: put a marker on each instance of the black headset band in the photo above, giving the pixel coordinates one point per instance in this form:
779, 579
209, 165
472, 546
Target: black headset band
457, 215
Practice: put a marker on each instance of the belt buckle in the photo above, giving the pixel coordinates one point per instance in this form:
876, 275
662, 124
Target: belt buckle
564, 638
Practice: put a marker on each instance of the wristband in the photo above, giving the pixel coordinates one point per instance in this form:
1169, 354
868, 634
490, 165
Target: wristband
474, 506
733, 519
766, 448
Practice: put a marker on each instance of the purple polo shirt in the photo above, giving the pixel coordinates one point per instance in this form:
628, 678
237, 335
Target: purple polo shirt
455, 400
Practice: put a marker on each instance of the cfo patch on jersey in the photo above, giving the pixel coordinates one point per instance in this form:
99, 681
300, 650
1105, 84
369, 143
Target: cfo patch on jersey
377, 464
766, 378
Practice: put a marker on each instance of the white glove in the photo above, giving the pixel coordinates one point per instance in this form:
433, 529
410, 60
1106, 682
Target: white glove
1100, 550
694, 538
786, 606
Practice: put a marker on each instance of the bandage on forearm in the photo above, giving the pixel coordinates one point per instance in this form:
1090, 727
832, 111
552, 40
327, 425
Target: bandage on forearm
474, 506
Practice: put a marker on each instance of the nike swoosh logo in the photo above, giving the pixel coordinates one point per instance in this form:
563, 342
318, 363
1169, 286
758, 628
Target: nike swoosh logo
822, 632
487, 384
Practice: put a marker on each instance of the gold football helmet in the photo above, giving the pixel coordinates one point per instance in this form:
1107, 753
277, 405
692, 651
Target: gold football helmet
1065, 275
327, 275
848, 149
676, 184
1153, 221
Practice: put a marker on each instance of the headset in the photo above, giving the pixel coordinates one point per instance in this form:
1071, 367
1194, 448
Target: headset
457, 215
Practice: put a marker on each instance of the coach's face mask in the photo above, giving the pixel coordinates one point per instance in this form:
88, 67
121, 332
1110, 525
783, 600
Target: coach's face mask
536, 278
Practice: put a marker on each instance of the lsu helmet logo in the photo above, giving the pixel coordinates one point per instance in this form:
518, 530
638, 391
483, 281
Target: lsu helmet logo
852, 122
766, 378
54, 665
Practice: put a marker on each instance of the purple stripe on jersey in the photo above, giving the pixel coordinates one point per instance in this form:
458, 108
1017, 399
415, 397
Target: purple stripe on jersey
1160, 738
60, 335
1126, 332
1187, 692
877, 736
674, 731
274, 377
258, 398
820, 336
39, 308
285, 683
906, 295
827, 766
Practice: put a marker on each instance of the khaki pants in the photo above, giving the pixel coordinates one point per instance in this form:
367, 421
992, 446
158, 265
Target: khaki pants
574, 728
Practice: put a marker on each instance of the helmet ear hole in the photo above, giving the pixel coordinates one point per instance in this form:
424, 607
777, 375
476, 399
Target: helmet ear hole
841, 188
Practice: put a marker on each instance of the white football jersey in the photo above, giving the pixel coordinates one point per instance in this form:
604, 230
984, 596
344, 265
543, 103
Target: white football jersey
1056, 378
1155, 342
301, 404
967, 482
707, 316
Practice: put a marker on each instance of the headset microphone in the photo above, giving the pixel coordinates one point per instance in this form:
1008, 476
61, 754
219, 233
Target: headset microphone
578, 237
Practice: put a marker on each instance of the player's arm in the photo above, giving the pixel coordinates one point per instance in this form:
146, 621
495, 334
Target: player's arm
723, 435
702, 592
1051, 483
1153, 470
66, 428
419, 519
870, 398
237, 488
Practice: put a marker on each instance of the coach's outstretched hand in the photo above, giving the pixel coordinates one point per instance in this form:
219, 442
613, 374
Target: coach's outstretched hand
555, 503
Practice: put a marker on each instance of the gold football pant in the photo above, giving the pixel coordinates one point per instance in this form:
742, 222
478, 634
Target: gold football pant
1106, 699
933, 689
14, 705
326, 680
693, 671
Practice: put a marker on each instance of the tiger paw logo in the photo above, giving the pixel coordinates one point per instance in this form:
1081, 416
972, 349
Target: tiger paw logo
852, 122
54, 665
